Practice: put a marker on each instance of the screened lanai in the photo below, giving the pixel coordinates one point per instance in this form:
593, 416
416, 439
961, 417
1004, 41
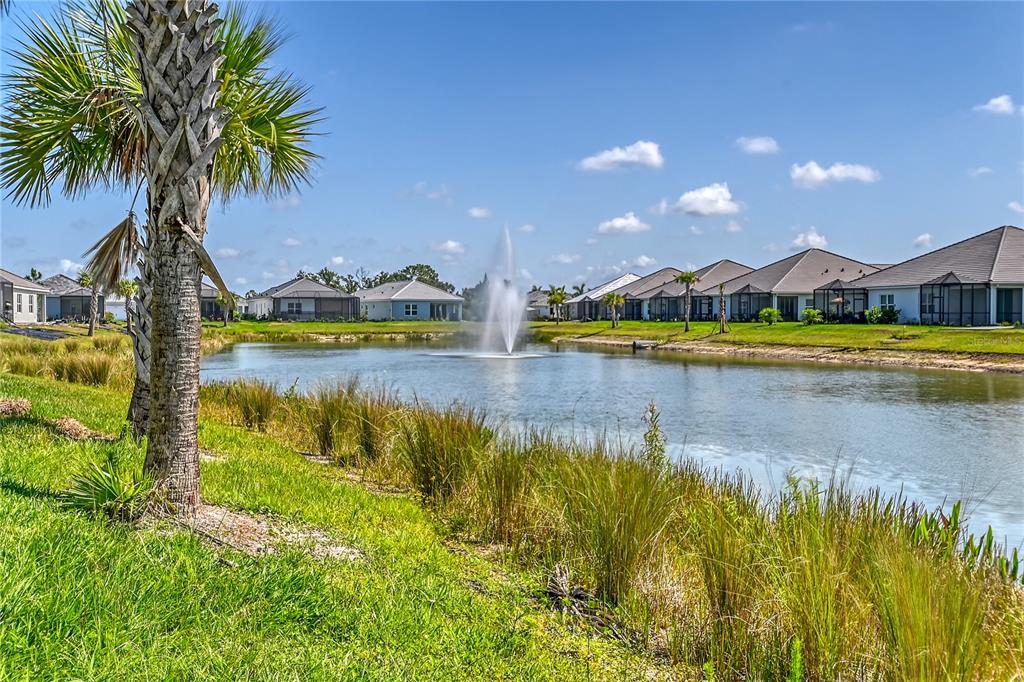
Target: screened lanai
841, 301
949, 300
747, 302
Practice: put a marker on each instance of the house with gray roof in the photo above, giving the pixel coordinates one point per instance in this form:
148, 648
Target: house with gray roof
588, 305
409, 300
788, 284
978, 281
635, 307
69, 300
666, 302
301, 299
22, 301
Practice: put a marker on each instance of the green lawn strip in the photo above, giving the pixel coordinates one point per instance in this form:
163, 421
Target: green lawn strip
80, 598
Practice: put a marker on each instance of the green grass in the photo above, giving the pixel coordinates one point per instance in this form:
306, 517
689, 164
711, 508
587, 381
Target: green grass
852, 336
82, 598
245, 330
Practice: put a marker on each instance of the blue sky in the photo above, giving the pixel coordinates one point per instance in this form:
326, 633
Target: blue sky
893, 126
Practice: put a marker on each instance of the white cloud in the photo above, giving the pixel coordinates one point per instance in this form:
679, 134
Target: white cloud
268, 275
1013, 205
450, 247
811, 175
241, 281
288, 201
732, 227
338, 260
565, 258
644, 261
479, 212
696, 230
527, 228
1003, 104
922, 241
68, 266
623, 224
640, 153
979, 171
758, 145
291, 242
227, 252
810, 240
714, 199
525, 274
590, 241
441, 193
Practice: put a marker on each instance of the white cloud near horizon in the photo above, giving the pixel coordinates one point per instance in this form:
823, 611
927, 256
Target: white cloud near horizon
643, 261
450, 247
565, 258
1002, 105
810, 239
338, 260
811, 175
1016, 206
694, 230
479, 212
922, 241
624, 224
291, 242
640, 153
227, 252
732, 227
979, 171
713, 199
758, 145
68, 266
527, 228
288, 201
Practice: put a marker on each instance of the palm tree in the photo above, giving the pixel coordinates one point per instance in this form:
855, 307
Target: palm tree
614, 301
556, 298
127, 289
86, 279
158, 92
226, 303
579, 289
687, 279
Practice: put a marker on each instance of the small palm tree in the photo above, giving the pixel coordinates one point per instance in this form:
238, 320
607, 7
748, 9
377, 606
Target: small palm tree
86, 279
169, 95
556, 299
614, 301
687, 279
579, 289
226, 304
127, 289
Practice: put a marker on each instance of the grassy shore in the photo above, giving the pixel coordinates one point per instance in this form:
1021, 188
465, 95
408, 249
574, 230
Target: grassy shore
1008, 341
659, 569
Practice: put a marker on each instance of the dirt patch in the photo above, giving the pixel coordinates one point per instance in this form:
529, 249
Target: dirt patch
14, 407
76, 430
210, 456
256, 534
886, 357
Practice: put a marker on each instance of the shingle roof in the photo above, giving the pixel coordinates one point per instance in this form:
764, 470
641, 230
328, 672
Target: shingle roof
598, 292
21, 282
994, 256
537, 298
656, 278
709, 276
302, 287
62, 285
800, 273
407, 290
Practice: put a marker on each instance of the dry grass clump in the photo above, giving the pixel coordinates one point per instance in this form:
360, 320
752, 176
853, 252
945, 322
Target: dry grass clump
14, 407
93, 368
69, 427
109, 343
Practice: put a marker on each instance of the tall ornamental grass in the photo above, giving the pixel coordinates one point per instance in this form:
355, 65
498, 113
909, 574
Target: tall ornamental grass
442, 447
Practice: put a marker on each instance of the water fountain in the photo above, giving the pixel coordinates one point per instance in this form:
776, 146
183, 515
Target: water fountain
506, 304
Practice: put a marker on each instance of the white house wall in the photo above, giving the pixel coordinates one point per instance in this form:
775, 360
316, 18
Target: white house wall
906, 299
32, 306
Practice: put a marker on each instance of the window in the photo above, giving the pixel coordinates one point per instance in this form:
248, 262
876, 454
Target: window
928, 304
808, 303
887, 301
19, 303
294, 307
31, 304
412, 310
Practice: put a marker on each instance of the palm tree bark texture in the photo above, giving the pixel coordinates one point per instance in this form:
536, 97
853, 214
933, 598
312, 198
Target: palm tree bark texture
178, 60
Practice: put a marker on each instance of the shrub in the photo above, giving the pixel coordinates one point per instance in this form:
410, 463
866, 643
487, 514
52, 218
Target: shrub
114, 487
326, 411
87, 367
375, 426
503, 489
441, 448
256, 401
27, 364
812, 316
108, 342
878, 315
873, 315
769, 316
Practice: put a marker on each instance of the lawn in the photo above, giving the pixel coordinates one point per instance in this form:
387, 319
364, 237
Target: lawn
81, 598
247, 328
795, 334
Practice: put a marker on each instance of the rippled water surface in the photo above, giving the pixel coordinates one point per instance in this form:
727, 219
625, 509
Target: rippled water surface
937, 435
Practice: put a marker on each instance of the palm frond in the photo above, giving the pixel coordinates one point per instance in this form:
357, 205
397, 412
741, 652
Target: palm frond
114, 254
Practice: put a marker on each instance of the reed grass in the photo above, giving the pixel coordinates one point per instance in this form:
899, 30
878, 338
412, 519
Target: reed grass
109, 343
442, 447
93, 368
327, 412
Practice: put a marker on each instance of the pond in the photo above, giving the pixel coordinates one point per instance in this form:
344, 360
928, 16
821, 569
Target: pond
936, 435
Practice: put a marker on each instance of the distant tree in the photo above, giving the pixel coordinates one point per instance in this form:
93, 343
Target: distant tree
252, 293
535, 288
473, 300
34, 275
91, 283
226, 304
127, 289
556, 298
579, 289
687, 279
614, 301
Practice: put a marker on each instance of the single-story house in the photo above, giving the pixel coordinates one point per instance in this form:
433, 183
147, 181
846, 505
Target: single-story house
209, 307
588, 305
635, 308
537, 307
69, 300
409, 300
21, 300
301, 299
667, 302
978, 281
787, 285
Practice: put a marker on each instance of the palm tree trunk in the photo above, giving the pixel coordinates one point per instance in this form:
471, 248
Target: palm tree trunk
686, 324
93, 307
178, 62
138, 409
721, 309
